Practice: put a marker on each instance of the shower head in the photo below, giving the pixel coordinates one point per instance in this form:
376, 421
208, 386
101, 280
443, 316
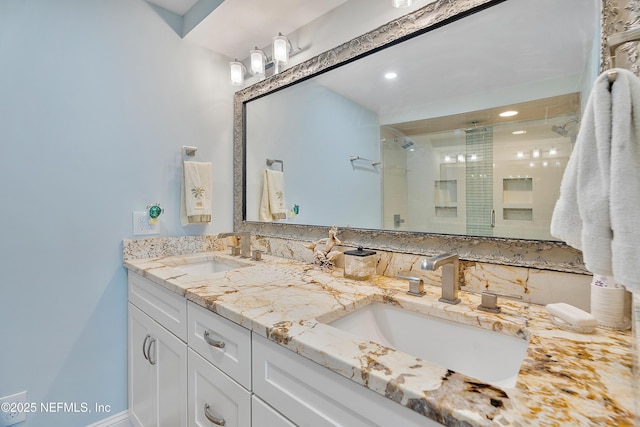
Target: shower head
475, 128
562, 130
407, 144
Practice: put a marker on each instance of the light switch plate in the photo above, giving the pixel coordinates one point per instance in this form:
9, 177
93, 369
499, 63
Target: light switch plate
142, 226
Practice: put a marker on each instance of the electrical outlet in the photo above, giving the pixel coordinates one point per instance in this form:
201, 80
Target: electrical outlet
12, 409
142, 225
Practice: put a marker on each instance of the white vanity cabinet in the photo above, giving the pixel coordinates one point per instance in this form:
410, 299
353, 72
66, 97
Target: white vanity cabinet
311, 395
219, 370
157, 357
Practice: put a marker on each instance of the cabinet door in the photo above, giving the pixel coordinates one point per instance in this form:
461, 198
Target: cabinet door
214, 398
142, 402
157, 373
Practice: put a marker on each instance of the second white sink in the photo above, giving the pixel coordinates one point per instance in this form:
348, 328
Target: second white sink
488, 356
208, 267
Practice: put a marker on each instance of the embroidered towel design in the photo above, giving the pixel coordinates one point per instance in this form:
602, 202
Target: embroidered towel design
196, 193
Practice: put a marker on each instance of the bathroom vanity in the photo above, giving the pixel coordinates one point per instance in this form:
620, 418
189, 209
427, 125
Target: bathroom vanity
264, 343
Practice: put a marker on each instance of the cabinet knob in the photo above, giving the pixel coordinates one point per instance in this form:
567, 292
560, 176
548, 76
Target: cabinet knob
214, 419
212, 342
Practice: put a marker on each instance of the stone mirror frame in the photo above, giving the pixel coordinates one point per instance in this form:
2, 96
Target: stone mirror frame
549, 255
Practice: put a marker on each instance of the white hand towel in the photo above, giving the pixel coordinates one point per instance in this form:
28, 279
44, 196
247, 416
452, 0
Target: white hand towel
600, 192
196, 193
272, 206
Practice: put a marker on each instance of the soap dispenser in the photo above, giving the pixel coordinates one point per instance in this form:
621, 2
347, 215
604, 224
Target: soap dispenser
360, 264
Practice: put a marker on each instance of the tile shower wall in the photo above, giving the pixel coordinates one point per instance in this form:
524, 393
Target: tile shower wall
479, 179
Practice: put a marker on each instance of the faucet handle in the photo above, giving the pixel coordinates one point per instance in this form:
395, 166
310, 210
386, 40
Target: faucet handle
416, 285
489, 301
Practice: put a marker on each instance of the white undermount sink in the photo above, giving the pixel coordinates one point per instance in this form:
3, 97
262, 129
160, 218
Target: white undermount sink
488, 356
208, 267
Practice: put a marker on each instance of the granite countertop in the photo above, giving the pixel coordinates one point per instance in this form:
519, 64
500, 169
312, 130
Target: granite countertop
566, 378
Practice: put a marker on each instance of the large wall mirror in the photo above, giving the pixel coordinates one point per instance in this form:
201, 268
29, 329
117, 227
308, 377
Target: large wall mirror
403, 137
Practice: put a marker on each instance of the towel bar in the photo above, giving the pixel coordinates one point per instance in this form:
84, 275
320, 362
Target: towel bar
354, 158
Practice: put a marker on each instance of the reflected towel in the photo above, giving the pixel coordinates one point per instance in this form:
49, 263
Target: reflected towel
272, 206
196, 193
600, 190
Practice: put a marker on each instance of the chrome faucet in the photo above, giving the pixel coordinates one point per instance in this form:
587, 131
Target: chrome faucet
245, 242
450, 273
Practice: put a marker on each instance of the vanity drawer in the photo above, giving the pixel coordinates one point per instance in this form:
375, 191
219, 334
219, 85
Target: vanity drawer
213, 397
264, 415
165, 307
311, 395
227, 345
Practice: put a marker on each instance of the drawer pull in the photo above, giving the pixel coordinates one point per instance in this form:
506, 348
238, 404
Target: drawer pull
144, 347
212, 342
151, 342
217, 421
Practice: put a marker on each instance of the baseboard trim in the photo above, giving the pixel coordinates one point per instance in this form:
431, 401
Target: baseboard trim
118, 420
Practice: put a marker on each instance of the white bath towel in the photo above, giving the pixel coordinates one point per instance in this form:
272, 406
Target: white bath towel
196, 193
272, 206
599, 201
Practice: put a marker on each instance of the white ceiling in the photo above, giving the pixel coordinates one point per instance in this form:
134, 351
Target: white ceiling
236, 26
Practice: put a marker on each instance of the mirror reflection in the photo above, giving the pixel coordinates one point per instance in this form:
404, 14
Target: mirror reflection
411, 137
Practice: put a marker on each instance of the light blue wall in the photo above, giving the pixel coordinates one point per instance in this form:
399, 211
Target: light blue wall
96, 98
315, 131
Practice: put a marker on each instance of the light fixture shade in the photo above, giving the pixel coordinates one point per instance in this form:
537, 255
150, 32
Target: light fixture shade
258, 61
281, 48
401, 3
237, 73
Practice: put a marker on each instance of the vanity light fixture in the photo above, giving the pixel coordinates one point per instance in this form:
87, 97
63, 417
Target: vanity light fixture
520, 154
536, 153
553, 151
461, 158
281, 49
258, 61
237, 72
474, 157
509, 113
545, 164
401, 3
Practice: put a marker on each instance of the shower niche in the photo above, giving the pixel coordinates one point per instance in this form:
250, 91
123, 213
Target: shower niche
517, 199
445, 198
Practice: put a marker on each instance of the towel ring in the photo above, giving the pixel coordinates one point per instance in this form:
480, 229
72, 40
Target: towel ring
272, 161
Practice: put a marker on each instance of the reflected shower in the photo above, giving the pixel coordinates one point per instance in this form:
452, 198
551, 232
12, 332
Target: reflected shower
475, 128
562, 130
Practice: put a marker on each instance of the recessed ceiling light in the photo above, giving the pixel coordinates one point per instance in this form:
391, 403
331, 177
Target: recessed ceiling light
518, 132
508, 113
390, 75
